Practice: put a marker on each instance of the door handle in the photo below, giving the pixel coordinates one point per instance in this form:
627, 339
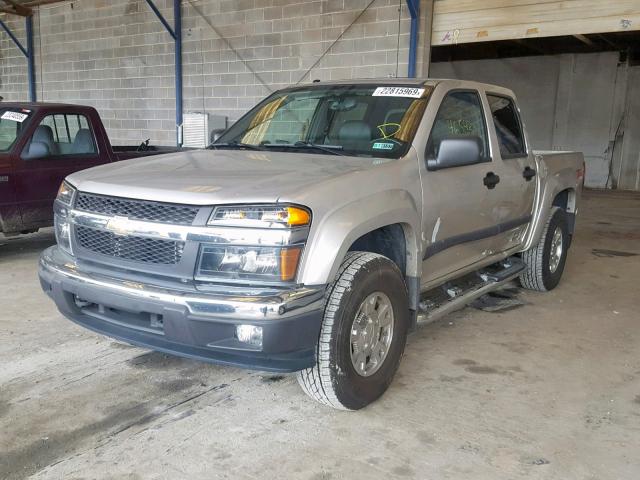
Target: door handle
491, 180
528, 173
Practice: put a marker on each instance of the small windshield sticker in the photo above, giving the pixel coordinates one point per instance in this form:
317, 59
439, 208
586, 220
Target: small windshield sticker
383, 146
14, 116
398, 92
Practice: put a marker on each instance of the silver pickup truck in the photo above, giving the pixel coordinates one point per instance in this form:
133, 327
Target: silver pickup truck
317, 231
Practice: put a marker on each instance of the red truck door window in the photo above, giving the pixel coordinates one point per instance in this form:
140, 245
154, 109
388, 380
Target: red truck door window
61, 144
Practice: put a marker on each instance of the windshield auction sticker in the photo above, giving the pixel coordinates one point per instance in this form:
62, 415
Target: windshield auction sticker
398, 92
14, 116
383, 146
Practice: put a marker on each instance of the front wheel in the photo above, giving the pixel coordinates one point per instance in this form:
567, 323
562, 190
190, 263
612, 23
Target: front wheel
545, 261
364, 331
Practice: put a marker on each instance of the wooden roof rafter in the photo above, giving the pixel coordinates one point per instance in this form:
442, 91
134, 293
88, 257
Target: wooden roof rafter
23, 8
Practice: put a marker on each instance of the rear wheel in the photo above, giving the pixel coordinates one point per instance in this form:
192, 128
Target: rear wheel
363, 334
545, 261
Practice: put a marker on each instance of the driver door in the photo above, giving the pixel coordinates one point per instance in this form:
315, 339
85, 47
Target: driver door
61, 144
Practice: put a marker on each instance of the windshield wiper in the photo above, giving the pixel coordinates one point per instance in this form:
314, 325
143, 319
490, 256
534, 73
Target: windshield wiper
332, 149
213, 146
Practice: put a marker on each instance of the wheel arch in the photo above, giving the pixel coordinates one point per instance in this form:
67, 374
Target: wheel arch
567, 200
385, 223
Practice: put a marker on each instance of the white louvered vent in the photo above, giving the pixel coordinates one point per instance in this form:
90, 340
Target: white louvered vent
195, 130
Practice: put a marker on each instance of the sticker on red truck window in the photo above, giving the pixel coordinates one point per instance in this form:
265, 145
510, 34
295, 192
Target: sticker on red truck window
398, 92
14, 116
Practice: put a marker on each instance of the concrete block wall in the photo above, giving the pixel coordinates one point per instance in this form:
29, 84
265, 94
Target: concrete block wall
585, 102
116, 55
13, 64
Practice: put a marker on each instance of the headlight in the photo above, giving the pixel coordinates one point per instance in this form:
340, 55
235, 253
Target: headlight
63, 232
66, 193
269, 264
269, 216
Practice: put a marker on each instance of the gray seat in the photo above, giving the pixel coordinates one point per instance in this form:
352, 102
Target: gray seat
83, 143
354, 131
44, 134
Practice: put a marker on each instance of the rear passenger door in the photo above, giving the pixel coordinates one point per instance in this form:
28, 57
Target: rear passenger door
516, 168
61, 144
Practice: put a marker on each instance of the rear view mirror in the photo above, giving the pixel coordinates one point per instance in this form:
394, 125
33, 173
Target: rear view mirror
36, 150
456, 152
343, 105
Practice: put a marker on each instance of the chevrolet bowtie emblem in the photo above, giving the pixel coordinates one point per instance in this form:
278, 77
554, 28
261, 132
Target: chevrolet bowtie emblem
119, 225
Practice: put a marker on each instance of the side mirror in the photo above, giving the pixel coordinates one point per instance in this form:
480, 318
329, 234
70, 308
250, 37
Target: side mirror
215, 134
36, 150
456, 152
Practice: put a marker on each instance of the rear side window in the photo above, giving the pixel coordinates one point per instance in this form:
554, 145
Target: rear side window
61, 135
508, 126
460, 115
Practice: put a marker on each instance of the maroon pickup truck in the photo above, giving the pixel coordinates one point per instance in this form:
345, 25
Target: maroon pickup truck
42, 143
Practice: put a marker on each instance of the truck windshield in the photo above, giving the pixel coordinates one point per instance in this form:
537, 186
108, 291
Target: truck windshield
362, 120
12, 122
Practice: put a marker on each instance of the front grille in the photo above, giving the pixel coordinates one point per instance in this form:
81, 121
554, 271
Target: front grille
137, 249
137, 209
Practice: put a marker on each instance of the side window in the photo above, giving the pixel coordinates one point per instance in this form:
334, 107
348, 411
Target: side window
460, 115
60, 135
508, 126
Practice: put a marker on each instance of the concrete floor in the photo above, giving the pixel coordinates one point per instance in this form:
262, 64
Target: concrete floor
549, 390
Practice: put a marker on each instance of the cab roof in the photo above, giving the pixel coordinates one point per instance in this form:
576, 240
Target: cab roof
40, 105
418, 82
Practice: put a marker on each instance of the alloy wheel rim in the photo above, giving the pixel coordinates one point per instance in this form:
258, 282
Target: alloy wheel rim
371, 334
556, 250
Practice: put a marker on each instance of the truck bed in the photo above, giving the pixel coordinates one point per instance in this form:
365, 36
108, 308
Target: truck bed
126, 152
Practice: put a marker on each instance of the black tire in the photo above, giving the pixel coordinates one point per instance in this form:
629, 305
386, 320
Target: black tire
538, 274
334, 381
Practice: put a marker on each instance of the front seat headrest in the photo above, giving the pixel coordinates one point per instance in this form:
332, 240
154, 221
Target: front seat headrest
354, 130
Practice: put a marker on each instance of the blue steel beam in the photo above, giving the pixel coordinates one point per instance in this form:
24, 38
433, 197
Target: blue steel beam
163, 20
31, 71
176, 34
414, 11
5, 27
27, 52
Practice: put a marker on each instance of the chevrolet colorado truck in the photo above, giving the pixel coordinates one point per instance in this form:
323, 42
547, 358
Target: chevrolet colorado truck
42, 143
317, 231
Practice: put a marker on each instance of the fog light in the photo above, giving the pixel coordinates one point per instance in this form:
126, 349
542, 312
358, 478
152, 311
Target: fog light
249, 334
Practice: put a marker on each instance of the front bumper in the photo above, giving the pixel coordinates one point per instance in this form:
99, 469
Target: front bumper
191, 324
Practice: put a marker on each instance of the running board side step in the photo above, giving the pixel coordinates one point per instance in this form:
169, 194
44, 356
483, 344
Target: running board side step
438, 302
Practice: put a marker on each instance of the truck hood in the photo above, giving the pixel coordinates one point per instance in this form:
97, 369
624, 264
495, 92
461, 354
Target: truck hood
205, 177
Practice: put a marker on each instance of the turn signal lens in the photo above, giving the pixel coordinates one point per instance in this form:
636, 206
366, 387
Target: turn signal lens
289, 258
297, 216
